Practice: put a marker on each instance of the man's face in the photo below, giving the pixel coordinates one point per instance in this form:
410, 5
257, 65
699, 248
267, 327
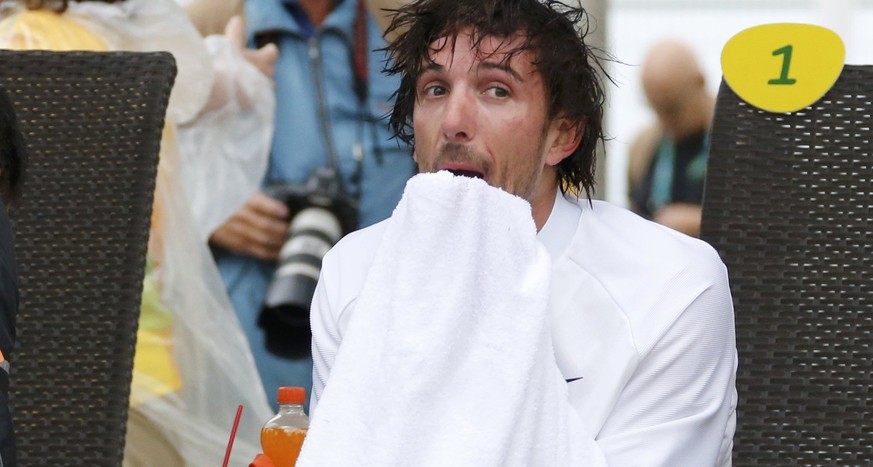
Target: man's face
479, 115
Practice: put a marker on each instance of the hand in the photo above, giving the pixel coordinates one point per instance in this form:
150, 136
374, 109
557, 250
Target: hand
256, 229
684, 217
264, 59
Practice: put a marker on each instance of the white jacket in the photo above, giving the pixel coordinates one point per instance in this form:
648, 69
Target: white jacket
643, 330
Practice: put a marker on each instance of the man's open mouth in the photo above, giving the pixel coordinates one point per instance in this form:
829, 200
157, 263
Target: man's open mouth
466, 173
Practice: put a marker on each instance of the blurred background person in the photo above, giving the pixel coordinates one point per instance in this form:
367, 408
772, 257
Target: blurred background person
667, 161
13, 156
331, 97
192, 364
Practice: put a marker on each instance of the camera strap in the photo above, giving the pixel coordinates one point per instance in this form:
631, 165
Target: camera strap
360, 67
360, 52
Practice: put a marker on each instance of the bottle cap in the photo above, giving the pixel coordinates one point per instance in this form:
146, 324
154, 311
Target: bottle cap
291, 395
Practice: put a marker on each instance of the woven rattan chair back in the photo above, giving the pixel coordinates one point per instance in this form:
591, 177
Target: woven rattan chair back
789, 206
93, 123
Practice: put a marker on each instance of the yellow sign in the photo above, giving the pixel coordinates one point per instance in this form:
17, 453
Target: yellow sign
782, 67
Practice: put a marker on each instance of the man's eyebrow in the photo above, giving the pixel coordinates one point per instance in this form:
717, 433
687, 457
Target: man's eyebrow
431, 66
503, 66
500, 66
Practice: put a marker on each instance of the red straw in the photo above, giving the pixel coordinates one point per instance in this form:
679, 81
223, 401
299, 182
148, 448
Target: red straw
232, 435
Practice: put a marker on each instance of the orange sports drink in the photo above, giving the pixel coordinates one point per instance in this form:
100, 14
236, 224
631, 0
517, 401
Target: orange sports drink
282, 445
282, 437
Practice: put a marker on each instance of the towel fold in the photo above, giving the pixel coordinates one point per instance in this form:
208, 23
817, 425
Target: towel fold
447, 359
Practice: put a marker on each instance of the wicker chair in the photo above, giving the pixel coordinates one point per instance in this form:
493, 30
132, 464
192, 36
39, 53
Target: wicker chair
93, 125
789, 206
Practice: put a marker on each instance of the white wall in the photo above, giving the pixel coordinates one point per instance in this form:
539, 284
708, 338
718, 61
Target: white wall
706, 25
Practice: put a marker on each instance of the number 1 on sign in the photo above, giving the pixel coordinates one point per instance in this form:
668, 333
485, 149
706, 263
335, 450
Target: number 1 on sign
786, 64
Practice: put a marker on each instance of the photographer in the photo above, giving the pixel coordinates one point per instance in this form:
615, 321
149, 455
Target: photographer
328, 129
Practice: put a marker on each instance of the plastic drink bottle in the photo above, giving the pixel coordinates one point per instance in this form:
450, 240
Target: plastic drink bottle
282, 436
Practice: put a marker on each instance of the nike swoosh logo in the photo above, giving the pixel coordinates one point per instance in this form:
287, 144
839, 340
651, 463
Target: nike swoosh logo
573, 379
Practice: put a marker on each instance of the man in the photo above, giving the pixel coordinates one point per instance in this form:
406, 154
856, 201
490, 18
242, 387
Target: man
641, 316
668, 160
325, 111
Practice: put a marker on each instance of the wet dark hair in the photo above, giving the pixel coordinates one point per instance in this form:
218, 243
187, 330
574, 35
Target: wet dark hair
13, 153
555, 34
59, 6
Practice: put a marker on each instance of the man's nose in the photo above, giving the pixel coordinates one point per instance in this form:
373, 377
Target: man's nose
459, 118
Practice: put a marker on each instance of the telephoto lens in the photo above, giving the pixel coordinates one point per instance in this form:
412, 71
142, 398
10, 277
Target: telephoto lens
313, 231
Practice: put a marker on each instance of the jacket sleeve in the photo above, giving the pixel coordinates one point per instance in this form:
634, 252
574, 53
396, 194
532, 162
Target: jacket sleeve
325, 331
678, 407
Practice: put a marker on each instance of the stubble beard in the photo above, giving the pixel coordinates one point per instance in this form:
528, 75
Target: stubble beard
461, 154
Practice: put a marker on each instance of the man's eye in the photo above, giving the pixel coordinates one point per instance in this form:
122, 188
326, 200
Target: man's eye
434, 90
498, 92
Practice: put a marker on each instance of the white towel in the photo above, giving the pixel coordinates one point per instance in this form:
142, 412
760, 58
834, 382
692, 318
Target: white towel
448, 360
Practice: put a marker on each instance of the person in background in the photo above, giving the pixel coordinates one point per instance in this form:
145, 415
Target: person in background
13, 156
192, 364
638, 318
667, 161
331, 96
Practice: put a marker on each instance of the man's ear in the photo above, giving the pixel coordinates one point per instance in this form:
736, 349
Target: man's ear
565, 136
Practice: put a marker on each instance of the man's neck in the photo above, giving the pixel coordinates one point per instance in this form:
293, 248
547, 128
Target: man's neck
317, 10
543, 203
699, 121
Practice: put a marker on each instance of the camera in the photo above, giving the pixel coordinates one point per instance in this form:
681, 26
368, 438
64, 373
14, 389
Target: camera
322, 212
